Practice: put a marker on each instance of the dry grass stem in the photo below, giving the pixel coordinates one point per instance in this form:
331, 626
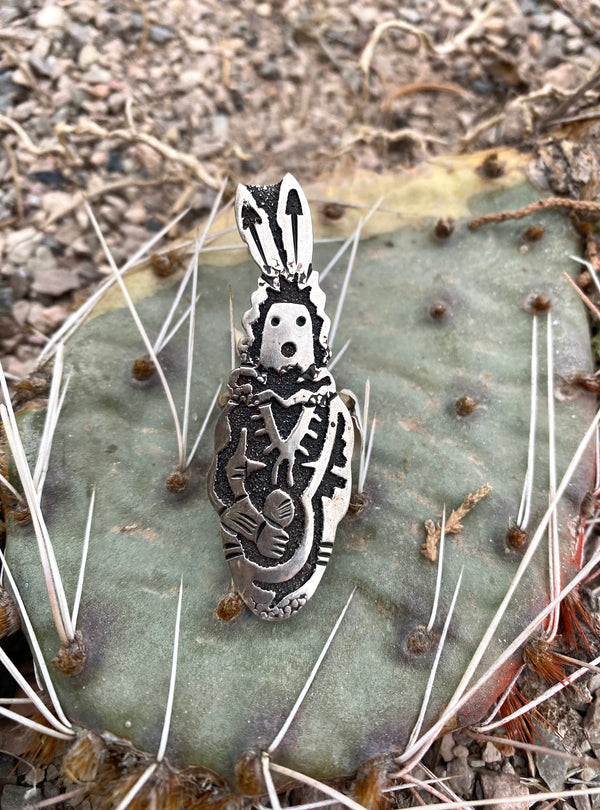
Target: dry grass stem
549, 203
145, 29
559, 112
474, 132
592, 307
424, 40
422, 87
363, 133
26, 142
536, 749
453, 524
62, 797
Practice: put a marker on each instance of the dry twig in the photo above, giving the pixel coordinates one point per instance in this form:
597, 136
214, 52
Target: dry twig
422, 87
14, 170
591, 248
523, 103
28, 144
556, 115
453, 523
190, 162
367, 134
579, 206
473, 133
145, 29
423, 38
589, 304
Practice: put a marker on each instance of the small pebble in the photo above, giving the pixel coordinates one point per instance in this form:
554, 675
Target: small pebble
188, 79
559, 21
46, 319
591, 724
19, 283
447, 747
33, 776
40, 66
551, 769
51, 17
462, 775
501, 786
160, 34
54, 282
6, 301
269, 71
88, 56
490, 753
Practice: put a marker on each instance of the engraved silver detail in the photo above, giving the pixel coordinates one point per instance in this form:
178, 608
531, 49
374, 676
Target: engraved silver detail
280, 479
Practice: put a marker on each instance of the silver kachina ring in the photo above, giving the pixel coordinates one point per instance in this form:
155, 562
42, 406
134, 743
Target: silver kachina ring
280, 478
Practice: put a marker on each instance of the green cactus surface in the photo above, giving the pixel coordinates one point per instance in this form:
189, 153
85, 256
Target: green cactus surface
431, 321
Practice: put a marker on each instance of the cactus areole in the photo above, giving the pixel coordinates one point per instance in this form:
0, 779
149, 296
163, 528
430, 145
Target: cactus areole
281, 479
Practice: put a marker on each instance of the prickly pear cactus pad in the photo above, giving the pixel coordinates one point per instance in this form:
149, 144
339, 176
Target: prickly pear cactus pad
441, 328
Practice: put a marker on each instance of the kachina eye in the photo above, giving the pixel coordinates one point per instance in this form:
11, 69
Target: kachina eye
275, 321
301, 320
